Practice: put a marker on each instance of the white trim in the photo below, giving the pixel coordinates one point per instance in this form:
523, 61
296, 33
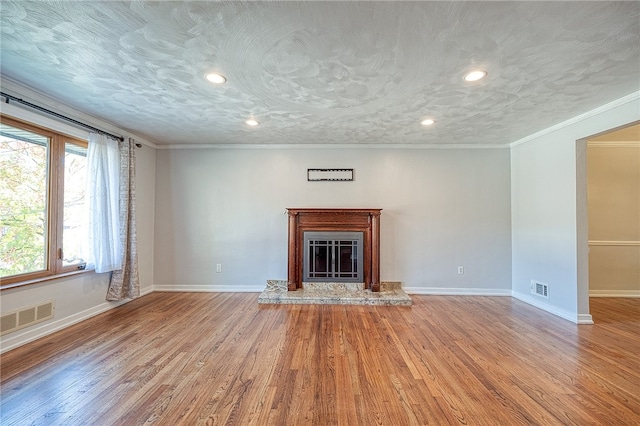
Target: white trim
458, 291
562, 313
585, 319
332, 146
210, 288
614, 243
611, 105
614, 293
616, 144
14, 340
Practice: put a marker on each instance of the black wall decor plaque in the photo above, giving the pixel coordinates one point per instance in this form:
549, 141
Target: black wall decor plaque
317, 175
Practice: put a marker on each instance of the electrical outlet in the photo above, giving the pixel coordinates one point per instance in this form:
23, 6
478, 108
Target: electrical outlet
460, 270
219, 267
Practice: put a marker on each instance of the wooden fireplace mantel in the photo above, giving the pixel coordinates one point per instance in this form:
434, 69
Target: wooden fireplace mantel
366, 221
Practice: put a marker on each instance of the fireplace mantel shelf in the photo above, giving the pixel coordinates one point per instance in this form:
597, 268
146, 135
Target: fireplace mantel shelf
366, 221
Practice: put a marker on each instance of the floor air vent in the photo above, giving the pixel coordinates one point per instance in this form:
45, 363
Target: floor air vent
25, 317
540, 289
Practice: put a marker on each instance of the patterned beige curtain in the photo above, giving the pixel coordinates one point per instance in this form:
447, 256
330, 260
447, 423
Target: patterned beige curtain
125, 283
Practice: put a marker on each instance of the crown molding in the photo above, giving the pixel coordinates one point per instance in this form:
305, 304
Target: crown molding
611, 105
330, 146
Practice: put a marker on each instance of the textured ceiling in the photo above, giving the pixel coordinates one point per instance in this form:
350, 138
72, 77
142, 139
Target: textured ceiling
325, 72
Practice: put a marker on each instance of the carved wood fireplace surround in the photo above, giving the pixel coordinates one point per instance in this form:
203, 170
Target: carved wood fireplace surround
366, 221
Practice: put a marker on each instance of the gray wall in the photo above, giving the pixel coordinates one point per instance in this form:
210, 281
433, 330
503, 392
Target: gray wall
441, 208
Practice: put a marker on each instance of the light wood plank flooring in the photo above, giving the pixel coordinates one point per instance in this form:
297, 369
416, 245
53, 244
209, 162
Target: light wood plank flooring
222, 359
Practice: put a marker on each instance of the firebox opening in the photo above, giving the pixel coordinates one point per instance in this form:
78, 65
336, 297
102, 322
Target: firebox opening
333, 257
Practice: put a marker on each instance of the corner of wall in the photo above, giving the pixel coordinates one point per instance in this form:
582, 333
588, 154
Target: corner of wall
548, 170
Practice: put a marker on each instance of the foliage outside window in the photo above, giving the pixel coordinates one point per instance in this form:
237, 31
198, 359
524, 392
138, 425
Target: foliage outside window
42, 202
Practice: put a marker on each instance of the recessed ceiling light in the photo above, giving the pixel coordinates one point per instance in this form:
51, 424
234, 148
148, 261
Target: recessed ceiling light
252, 122
427, 122
475, 76
216, 78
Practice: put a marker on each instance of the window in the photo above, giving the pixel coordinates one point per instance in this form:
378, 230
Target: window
42, 196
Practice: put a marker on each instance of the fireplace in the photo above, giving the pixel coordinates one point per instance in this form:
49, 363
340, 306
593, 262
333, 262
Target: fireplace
334, 245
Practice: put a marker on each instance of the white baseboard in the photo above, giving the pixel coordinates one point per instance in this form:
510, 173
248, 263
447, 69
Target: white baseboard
458, 291
29, 335
211, 288
562, 313
614, 293
584, 319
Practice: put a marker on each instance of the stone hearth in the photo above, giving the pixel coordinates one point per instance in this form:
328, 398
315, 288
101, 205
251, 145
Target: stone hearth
390, 293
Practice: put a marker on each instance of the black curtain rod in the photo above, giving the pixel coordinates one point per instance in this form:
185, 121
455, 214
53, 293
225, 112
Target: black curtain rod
55, 114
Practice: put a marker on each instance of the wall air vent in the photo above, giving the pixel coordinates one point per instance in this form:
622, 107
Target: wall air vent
25, 317
540, 289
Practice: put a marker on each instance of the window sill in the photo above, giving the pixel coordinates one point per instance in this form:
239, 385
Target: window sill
43, 279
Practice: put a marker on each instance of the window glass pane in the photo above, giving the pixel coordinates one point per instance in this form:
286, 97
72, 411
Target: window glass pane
75, 174
23, 201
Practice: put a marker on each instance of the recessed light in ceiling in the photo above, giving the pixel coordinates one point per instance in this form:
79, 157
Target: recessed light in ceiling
216, 78
252, 122
475, 75
427, 122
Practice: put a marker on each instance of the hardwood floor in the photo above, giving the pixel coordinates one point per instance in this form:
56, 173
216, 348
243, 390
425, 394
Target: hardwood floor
222, 359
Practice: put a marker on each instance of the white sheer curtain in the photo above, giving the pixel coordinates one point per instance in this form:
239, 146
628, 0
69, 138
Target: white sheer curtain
104, 249
112, 241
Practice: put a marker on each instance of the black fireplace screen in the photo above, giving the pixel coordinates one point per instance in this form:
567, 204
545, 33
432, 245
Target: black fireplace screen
333, 257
